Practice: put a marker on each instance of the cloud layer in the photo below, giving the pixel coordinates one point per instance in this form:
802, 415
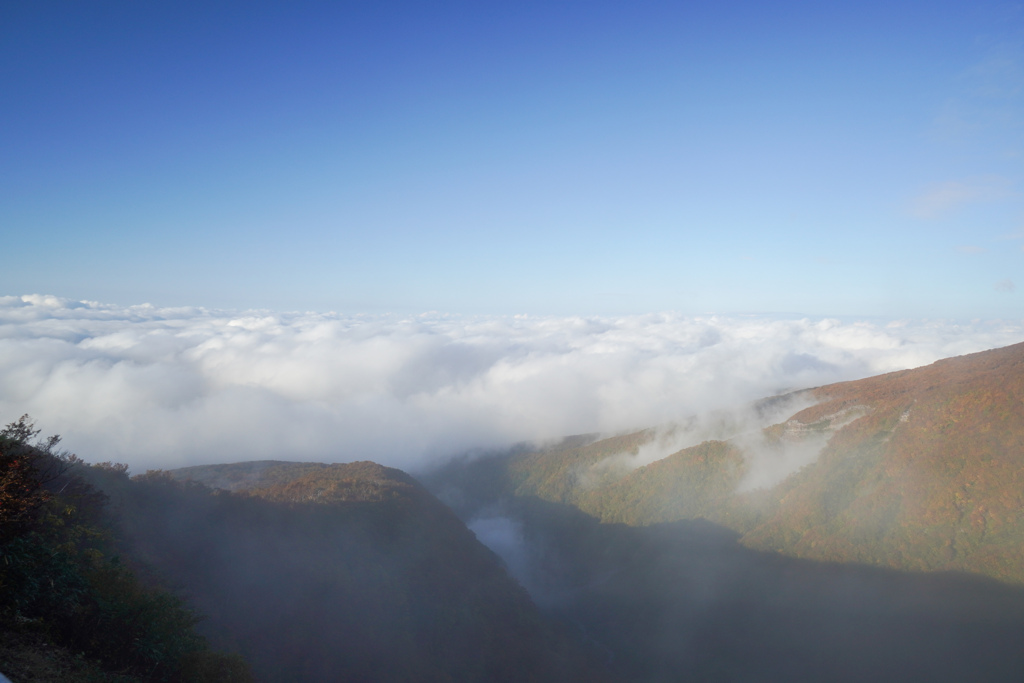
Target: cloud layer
157, 387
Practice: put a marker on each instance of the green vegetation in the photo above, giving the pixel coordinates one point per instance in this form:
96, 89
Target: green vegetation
70, 610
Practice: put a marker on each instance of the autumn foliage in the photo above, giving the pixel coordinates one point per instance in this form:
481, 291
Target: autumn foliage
927, 475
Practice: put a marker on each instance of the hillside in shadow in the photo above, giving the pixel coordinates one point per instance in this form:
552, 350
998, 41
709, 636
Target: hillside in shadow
684, 601
342, 572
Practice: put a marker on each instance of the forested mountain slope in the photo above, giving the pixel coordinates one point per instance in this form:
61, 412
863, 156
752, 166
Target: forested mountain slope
931, 477
921, 469
781, 552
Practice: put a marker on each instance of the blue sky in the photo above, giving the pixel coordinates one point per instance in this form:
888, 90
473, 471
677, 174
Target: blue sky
590, 158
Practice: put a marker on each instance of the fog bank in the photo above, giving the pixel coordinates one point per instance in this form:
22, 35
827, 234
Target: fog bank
168, 387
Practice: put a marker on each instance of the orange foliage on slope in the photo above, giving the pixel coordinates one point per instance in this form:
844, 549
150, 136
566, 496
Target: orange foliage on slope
927, 473
932, 478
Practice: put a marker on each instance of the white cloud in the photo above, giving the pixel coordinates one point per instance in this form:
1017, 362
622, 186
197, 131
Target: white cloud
156, 387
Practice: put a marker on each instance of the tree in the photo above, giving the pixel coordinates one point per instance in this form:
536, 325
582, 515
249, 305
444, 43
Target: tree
24, 470
60, 585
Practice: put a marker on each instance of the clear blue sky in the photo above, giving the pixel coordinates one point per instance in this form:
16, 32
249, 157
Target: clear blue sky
850, 159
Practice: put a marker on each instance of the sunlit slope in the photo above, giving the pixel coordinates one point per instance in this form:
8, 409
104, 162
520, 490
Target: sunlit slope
922, 469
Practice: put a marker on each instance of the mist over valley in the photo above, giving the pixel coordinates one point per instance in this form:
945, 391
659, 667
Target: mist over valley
863, 530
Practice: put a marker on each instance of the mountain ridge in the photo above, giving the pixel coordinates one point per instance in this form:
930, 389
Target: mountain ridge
918, 469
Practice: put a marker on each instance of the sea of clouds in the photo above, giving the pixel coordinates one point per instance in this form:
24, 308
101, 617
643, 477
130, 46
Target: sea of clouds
167, 387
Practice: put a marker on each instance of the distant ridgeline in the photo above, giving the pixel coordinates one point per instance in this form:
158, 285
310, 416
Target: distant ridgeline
918, 470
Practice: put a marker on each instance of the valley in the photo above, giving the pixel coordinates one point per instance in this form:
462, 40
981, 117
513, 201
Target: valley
868, 530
